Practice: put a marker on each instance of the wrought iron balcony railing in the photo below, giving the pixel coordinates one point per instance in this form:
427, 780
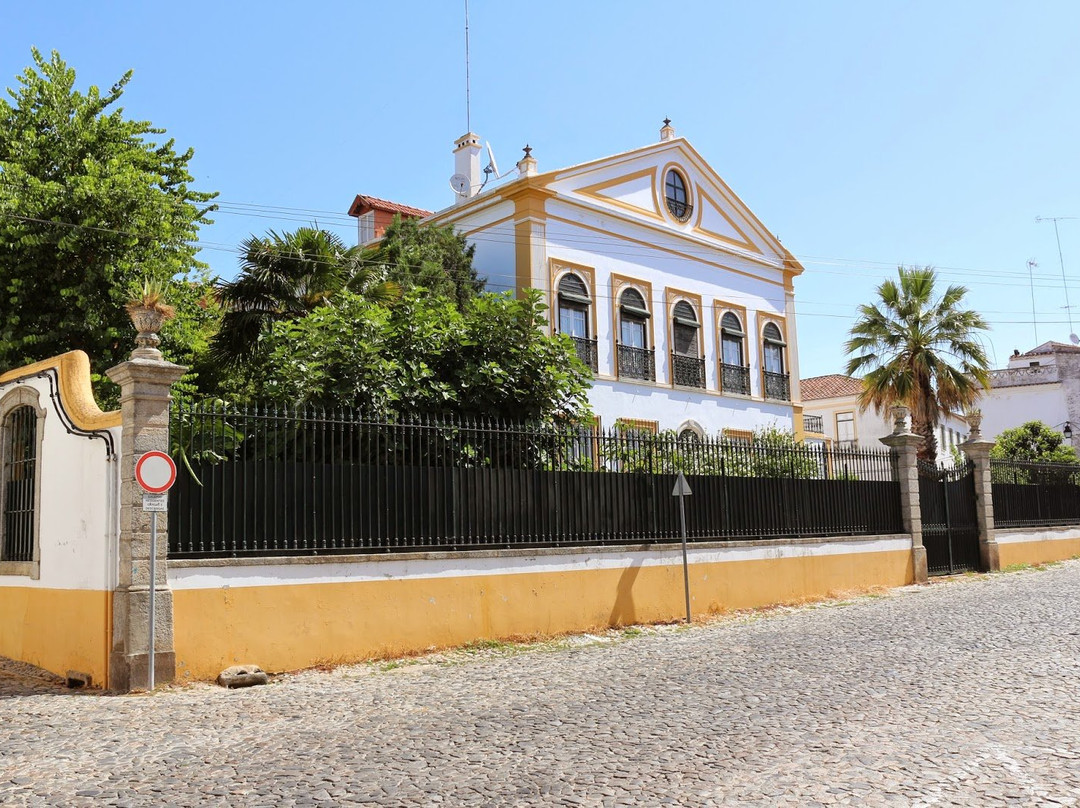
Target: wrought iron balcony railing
586, 351
813, 423
637, 363
734, 379
777, 386
687, 371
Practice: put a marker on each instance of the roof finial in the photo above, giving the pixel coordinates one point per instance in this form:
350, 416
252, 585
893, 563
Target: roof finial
667, 121
667, 132
527, 164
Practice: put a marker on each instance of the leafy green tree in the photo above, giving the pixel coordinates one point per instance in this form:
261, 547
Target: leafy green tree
919, 350
429, 256
89, 202
424, 356
1033, 442
285, 277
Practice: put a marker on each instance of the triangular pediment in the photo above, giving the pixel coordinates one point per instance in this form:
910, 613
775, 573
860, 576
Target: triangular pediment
631, 187
635, 193
718, 220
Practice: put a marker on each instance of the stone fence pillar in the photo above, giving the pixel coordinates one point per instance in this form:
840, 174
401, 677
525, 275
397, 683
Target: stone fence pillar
144, 405
905, 446
978, 450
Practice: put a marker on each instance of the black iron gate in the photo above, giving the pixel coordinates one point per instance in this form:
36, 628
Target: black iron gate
950, 529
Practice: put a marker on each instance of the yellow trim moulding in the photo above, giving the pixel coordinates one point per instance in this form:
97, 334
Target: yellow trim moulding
76, 392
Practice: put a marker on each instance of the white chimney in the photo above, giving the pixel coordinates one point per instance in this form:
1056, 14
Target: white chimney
466, 164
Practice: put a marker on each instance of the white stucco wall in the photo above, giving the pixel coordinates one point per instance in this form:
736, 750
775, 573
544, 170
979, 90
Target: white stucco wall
491, 231
77, 526
672, 409
1007, 407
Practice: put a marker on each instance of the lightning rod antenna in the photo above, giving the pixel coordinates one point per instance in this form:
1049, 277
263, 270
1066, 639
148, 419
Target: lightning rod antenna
1031, 264
468, 111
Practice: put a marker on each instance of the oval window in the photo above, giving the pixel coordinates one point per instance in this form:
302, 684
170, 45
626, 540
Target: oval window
678, 199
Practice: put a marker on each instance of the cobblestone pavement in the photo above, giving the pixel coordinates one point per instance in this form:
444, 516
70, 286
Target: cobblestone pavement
963, 692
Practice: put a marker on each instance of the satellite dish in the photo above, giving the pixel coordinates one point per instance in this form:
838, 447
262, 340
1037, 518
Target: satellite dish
492, 166
1075, 340
460, 184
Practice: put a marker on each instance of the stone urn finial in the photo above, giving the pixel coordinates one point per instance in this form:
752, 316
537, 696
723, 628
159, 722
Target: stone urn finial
148, 312
899, 417
974, 419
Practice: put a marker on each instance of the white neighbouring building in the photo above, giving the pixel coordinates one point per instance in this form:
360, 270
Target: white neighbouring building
1042, 384
832, 409
676, 295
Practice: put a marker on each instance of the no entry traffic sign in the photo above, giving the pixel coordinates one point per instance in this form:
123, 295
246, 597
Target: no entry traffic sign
155, 472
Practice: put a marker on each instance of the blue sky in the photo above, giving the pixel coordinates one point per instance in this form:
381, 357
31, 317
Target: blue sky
864, 135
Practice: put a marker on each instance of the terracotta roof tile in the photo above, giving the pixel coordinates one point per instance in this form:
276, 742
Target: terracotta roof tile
363, 203
832, 386
1051, 348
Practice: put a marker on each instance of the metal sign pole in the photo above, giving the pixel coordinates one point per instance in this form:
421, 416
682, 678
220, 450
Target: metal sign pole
685, 563
155, 472
682, 491
152, 657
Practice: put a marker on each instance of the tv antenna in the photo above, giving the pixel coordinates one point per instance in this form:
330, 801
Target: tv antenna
460, 184
1055, 219
491, 169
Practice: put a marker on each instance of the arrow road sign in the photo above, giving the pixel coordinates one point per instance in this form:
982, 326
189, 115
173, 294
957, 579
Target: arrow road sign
682, 487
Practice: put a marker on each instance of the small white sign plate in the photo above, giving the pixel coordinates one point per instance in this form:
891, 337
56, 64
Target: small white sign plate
155, 502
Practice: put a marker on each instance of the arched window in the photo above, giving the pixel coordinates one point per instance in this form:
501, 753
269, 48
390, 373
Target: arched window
734, 372
776, 380
731, 338
675, 193
687, 368
684, 328
635, 357
633, 315
574, 302
689, 435
19, 441
774, 349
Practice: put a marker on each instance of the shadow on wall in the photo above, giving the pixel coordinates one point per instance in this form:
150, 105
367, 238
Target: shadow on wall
624, 613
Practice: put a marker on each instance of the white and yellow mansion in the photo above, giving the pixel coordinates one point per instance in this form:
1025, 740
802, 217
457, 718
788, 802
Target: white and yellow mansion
675, 294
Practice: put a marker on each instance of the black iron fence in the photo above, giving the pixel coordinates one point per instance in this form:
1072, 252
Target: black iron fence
265, 481
1033, 494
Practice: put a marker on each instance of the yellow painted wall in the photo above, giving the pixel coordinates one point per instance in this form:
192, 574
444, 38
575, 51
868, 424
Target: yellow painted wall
57, 629
292, 626
1037, 552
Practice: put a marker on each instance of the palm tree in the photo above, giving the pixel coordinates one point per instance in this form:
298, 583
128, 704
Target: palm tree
284, 277
919, 351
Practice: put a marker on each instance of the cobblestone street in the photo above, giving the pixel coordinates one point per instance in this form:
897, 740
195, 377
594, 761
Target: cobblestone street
963, 692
